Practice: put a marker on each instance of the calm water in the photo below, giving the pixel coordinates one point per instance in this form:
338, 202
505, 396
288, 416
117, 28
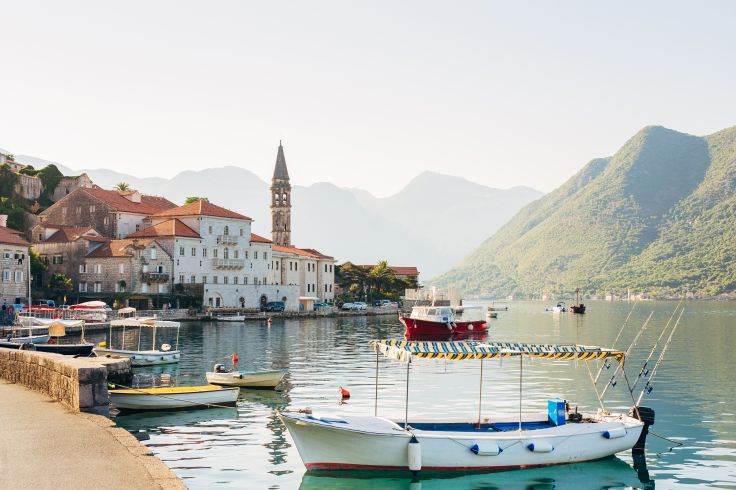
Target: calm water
694, 397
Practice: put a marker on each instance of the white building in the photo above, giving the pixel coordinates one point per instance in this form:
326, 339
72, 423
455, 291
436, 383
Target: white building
13, 264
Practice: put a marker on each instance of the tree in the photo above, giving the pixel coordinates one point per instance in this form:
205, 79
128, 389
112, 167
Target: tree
38, 266
192, 199
8, 179
352, 278
382, 277
50, 177
122, 187
60, 285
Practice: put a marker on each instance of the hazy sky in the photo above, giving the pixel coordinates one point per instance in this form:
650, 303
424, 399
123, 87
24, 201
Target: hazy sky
363, 94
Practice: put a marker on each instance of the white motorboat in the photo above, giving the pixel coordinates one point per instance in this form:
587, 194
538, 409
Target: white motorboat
172, 398
560, 307
143, 357
230, 318
246, 379
520, 441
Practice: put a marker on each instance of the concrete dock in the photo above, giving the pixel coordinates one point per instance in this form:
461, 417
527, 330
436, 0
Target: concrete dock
45, 445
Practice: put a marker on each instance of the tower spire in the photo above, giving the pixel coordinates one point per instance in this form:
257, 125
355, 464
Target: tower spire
281, 201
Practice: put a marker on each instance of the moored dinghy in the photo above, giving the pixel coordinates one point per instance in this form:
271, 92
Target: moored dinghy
246, 379
520, 441
173, 398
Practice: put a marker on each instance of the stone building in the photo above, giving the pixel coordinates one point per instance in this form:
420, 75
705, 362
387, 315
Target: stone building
69, 183
126, 266
113, 214
281, 202
14, 263
28, 187
63, 248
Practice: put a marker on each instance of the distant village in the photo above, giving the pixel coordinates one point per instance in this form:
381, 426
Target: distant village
132, 249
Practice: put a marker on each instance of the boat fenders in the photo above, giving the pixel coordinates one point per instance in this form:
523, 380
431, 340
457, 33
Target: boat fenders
646, 415
414, 453
540, 447
486, 449
615, 433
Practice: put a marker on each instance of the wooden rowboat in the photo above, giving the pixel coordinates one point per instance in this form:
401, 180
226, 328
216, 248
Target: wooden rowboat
173, 398
247, 379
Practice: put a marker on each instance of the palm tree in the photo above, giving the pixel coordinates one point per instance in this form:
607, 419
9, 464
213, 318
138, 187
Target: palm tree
122, 186
382, 277
350, 275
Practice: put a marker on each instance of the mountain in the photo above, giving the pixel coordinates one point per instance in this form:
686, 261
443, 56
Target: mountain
431, 223
659, 216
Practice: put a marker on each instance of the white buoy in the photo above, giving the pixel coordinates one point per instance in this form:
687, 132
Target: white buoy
615, 433
540, 447
414, 453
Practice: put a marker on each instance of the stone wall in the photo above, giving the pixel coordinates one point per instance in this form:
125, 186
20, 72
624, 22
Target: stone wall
80, 384
68, 184
81, 209
28, 186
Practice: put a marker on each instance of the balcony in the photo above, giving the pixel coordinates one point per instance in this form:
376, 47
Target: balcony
228, 263
149, 277
227, 240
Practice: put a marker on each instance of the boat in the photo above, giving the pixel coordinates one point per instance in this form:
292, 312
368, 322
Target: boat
523, 440
246, 379
143, 357
173, 398
230, 318
560, 307
439, 320
491, 314
56, 329
92, 311
578, 307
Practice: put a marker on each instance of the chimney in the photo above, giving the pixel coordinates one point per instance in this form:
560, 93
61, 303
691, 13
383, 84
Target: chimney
4, 220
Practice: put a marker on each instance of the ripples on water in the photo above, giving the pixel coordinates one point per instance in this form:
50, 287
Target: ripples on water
247, 446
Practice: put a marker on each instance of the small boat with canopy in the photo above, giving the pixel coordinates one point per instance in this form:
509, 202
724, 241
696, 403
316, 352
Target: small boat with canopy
139, 356
522, 440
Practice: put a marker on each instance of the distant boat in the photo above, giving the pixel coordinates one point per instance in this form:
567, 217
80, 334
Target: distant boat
173, 398
560, 307
578, 307
246, 379
230, 318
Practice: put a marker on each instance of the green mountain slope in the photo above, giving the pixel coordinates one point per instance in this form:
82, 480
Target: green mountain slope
656, 217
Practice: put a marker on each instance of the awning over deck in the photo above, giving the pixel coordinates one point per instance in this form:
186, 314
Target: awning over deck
403, 350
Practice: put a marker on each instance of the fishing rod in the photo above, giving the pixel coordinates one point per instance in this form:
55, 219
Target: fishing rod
612, 382
648, 386
606, 364
643, 372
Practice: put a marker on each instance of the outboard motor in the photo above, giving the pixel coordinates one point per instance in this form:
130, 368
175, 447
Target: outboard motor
646, 415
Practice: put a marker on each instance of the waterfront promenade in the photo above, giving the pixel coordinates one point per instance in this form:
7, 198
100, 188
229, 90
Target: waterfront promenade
44, 445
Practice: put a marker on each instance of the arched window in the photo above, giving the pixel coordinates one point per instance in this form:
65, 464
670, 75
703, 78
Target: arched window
283, 198
227, 231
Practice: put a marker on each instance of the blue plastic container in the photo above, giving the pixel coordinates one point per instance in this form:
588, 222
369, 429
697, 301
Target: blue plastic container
556, 411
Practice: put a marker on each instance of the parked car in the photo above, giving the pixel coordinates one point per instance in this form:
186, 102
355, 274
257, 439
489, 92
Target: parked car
47, 303
348, 306
359, 305
321, 306
274, 306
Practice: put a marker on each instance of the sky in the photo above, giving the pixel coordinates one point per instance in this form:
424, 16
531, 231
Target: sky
363, 94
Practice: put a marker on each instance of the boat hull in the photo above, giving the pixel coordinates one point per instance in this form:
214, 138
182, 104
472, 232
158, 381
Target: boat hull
244, 379
66, 349
237, 318
172, 398
416, 326
379, 444
142, 358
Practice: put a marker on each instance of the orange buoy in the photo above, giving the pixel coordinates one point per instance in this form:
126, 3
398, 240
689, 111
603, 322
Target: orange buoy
269, 321
344, 393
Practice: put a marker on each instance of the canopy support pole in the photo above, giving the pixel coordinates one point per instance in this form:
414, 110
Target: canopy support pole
140, 332
521, 377
406, 404
123, 346
177, 338
109, 343
375, 405
595, 388
480, 393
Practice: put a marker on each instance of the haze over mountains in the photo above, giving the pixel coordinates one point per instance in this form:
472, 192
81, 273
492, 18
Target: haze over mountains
432, 223
659, 216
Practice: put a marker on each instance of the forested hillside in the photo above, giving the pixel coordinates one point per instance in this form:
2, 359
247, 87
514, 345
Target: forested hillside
657, 217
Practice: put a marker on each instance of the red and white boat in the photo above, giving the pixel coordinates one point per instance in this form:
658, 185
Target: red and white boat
444, 320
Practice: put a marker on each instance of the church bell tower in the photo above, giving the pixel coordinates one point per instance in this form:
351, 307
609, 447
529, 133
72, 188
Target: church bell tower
281, 202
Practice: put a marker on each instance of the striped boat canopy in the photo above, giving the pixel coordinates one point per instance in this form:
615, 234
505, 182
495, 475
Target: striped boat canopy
403, 350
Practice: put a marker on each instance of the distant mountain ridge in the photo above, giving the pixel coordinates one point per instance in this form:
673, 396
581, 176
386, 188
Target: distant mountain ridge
431, 223
658, 217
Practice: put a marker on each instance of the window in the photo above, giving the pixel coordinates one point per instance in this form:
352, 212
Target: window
246, 255
209, 229
330, 287
98, 287
193, 279
265, 281
106, 221
226, 253
241, 232
160, 269
330, 267
226, 232
255, 255
214, 252
265, 255
245, 279
138, 227
296, 265
325, 267
98, 268
225, 279
92, 208
121, 269
82, 268
79, 209
325, 288
214, 279
145, 267
236, 252
291, 265
144, 287
7, 254
154, 253
63, 210
204, 279
18, 276
40, 237
204, 252
194, 252
82, 287
181, 278
181, 251
235, 279
277, 265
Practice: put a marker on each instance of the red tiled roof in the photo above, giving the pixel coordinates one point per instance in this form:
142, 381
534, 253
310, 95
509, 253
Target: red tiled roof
401, 271
117, 248
259, 239
12, 237
293, 250
318, 254
201, 208
117, 202
69, 234
168, 228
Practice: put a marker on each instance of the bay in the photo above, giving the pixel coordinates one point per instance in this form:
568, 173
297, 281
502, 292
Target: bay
247, 446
